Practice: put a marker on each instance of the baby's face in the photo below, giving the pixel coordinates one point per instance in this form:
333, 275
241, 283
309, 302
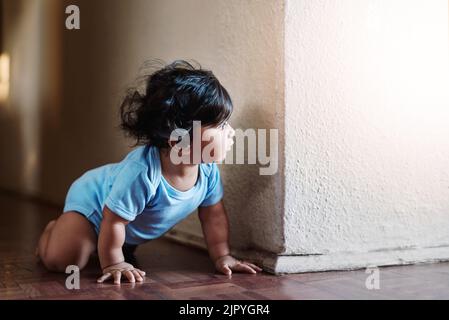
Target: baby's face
216, 142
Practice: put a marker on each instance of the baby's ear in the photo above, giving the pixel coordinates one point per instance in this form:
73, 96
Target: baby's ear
178, 152
179, 138
179, 146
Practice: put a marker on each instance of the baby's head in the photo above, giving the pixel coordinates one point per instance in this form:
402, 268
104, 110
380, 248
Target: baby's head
174, 97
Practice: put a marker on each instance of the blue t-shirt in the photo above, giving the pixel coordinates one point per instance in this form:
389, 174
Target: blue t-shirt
136, 190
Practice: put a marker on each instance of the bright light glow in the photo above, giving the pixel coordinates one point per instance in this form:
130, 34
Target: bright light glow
4, 77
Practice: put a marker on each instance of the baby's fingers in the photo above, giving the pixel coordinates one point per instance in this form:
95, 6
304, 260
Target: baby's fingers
243, 268
130, 276
253, 266
137, 275
117, 276
225, 269
104, 277
142, 273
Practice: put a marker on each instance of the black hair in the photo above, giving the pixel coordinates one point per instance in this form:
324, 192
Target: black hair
174, 97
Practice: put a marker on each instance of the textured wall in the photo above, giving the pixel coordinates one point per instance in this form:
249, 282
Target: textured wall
367, 128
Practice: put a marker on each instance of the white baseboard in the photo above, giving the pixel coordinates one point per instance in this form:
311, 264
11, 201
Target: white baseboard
280, 264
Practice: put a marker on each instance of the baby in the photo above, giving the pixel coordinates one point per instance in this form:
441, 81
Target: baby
116, 207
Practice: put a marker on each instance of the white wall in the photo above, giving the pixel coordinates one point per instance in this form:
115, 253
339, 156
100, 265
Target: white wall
366, 133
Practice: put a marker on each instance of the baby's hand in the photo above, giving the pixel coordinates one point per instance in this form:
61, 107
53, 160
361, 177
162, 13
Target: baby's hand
118, 269
227, 263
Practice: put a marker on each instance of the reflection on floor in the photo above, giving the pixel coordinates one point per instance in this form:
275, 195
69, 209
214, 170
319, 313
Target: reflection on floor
178, 272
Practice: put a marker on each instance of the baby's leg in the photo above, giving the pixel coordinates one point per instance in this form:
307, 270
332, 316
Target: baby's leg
43, 240
70, 240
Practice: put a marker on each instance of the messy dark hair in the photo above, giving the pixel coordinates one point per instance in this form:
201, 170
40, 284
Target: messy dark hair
173, 97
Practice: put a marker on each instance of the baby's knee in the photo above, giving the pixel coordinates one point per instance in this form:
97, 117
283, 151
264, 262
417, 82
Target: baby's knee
57, 262
52, 262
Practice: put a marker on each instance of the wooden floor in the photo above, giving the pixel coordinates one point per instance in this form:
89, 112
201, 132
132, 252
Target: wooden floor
178, 272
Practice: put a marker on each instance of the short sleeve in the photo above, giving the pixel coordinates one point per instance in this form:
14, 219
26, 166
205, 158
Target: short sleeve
214, 189
130, 192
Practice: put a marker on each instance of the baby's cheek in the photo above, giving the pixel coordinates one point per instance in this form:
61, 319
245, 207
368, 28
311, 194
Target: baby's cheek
226, 145
229, 143
220, 150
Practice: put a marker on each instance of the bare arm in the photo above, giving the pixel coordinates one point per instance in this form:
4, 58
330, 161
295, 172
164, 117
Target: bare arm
111, 239
215, 225
110, 243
